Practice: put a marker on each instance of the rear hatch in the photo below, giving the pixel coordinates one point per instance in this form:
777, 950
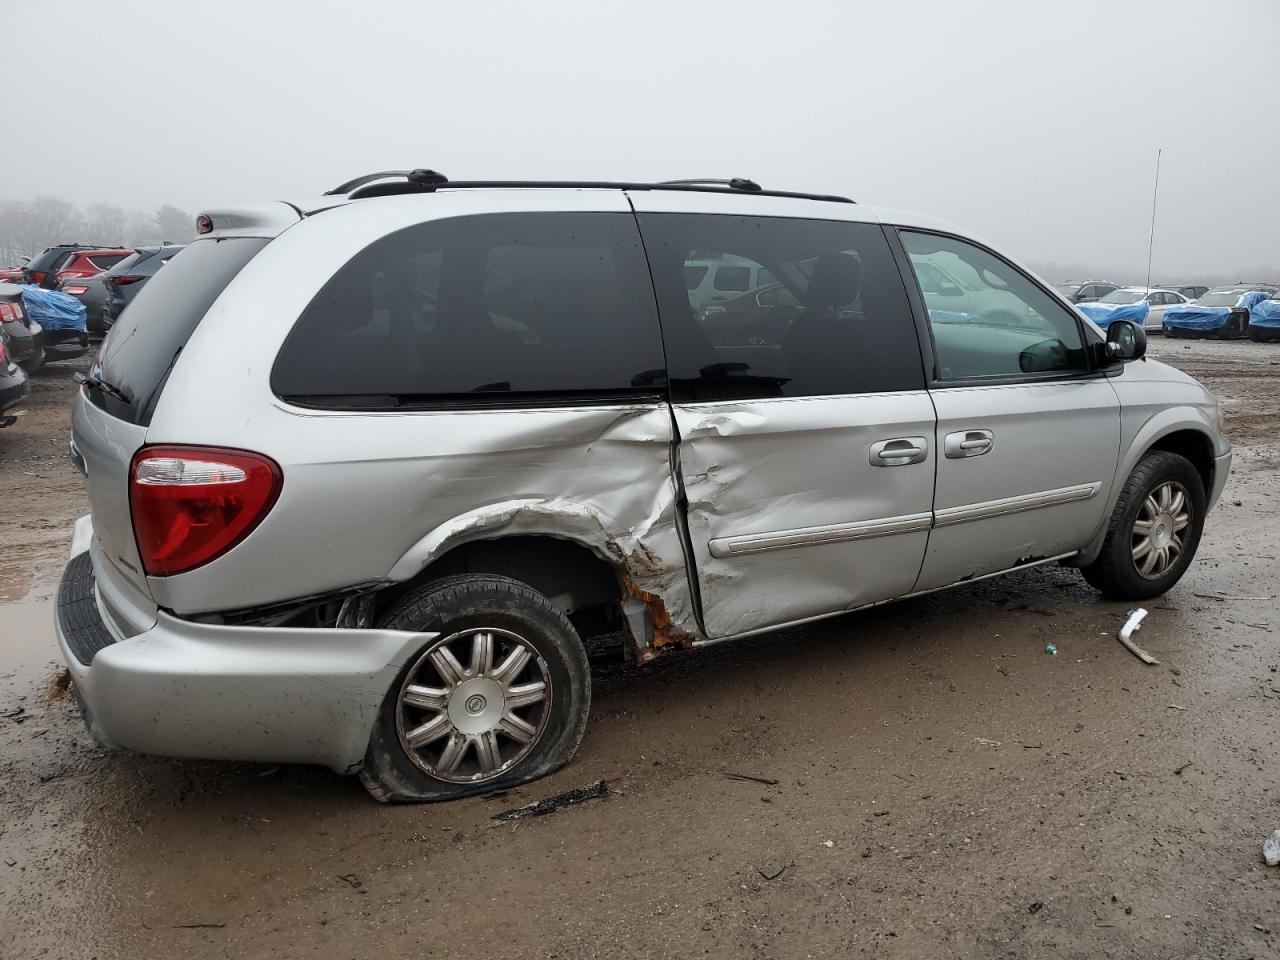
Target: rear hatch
109, 426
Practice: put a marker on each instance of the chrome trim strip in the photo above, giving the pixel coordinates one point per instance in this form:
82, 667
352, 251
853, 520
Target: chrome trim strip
1027, 501
711, 641
809, 536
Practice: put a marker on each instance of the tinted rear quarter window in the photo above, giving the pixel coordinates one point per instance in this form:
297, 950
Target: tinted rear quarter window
843, 326
141, 348
508, 309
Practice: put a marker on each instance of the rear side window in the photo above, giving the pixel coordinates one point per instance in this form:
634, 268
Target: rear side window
829, 314
504, 309
142, 346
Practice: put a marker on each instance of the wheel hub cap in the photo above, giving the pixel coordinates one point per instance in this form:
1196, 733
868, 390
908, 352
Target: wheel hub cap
476, 706
473, 704
1160, 529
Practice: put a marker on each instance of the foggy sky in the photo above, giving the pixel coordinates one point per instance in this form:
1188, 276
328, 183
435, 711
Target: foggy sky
1034, 124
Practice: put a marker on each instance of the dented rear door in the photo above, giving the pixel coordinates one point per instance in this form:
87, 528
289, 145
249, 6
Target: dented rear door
805, 434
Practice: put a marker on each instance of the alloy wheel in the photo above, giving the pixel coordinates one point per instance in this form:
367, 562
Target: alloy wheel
1160, 530
473, 705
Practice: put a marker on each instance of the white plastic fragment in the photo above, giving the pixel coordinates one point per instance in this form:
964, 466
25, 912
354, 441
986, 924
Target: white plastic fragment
1271, 850
1126, 633
828, 844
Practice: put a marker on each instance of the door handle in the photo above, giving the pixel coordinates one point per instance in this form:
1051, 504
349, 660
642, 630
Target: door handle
968, 443
899, 451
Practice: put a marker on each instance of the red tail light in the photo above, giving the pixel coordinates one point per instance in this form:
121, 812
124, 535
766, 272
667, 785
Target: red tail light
9, 311
124, 281
4, 356
38, 276
204, 223
191, 505
75, 289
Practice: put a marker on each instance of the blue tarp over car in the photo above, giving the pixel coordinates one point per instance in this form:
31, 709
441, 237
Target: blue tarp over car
1104, 313
1194, 316
53, 310
1266, 314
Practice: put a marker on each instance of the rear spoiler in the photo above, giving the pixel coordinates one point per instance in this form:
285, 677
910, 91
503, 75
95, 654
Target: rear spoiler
267, 220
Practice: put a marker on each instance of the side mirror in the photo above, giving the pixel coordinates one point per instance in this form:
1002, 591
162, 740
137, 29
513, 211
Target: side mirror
1126, 341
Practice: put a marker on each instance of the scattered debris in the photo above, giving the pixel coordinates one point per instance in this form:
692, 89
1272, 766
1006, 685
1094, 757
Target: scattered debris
1271, 850
59, 686
881, 813
1051, 649
11, 863
1033, 746
268, 772
352, 879
828, 844
1221, 597
1035, 907
749, 777
1178, 772
985, 742
198, 926
1127, 631
541, 808
1174, 706
772, 871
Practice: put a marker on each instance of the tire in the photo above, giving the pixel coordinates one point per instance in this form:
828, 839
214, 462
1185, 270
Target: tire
493, 754
1116, 572
1260, 336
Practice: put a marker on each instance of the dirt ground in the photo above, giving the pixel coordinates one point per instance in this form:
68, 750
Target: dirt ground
944, 787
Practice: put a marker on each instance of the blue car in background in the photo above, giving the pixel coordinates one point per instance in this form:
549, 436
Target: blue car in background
1264, 319
1222, 312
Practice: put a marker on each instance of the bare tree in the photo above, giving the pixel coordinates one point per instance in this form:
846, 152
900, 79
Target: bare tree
105, 224
174, 225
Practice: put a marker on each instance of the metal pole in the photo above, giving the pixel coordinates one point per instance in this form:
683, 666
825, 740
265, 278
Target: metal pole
1154, 193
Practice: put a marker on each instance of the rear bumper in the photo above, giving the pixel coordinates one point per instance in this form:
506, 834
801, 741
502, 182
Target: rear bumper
185, 689
12, 390
64, 344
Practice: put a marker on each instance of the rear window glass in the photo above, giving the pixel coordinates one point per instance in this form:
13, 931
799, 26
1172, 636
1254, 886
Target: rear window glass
105, 261
693, 276
151, 332
502, 309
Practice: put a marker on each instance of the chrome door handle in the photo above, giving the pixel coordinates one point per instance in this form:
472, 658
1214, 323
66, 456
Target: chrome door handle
899, 451
968, 443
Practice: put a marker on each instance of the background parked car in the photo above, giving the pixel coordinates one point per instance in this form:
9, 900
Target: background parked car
20, 332
1085, 291
63, 334
1112, 306
13, 383
1264, 320
1222, 312
43, 270
1192, 292
126, 278
87, 263
92, 292
714, 280
12, 274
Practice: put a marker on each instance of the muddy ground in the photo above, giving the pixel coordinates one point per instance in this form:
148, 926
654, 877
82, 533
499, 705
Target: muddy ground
944, 787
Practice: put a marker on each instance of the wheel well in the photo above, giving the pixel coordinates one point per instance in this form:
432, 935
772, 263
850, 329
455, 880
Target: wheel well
1193, 446
576, 580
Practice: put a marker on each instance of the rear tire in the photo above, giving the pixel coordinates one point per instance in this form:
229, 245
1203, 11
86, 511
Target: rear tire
453, 724
1153, 532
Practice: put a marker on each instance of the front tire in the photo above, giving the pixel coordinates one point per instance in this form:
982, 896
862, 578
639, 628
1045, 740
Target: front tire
499, 698
1153, 532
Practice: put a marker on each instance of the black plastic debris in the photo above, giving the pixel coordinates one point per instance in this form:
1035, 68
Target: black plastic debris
541, 808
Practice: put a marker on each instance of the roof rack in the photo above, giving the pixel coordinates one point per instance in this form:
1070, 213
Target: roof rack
428, 181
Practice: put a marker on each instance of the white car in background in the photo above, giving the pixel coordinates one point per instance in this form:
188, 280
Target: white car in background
1158, 301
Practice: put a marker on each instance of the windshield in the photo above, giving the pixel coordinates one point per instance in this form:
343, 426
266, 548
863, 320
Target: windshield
1220, 298
1123, 296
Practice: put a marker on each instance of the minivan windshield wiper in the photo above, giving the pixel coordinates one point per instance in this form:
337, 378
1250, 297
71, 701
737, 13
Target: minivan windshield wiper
95, 382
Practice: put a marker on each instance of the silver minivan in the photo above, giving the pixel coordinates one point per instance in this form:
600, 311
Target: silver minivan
370, 473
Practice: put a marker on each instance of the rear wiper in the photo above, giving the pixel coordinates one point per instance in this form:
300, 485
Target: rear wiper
95, 382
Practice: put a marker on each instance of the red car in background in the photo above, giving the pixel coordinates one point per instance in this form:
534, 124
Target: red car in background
88, 263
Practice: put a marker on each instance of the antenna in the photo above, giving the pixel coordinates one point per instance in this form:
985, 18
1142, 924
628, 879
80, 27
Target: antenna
1154, 194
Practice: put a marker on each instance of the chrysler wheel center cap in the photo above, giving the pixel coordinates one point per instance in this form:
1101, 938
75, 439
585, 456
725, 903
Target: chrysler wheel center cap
476, 706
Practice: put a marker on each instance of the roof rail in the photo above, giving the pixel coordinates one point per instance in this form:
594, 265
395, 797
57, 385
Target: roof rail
428, 181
